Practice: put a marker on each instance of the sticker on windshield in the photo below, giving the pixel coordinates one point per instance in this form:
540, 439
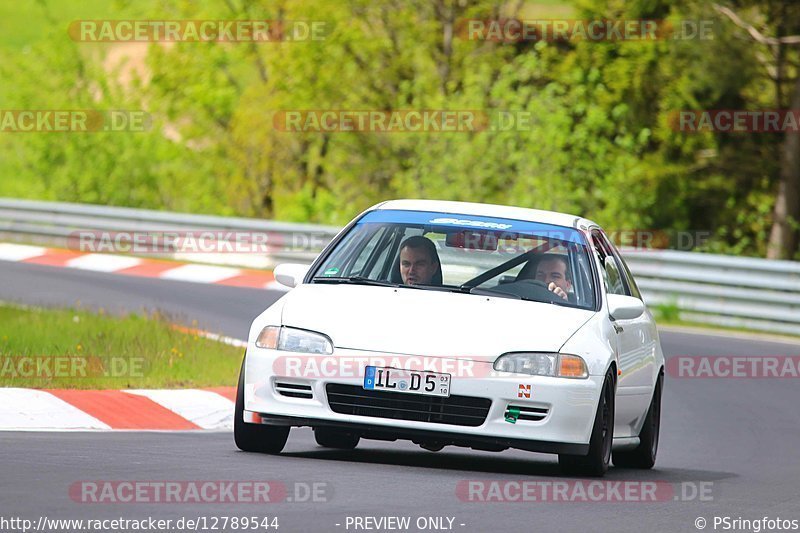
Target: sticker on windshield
331, 272
471, 223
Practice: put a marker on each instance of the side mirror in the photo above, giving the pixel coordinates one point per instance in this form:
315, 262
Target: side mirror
290, 274
623, 307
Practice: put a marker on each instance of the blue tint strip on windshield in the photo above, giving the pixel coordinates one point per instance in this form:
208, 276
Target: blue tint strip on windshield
430, 218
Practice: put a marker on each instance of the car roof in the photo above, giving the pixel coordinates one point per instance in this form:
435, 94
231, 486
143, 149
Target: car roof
488, 210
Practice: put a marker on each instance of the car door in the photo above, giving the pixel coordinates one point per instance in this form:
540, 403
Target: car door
635, 343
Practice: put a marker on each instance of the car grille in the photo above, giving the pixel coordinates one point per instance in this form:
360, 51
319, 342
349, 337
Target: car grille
455, 410
294, 390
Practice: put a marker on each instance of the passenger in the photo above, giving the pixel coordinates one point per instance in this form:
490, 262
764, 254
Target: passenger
419, 262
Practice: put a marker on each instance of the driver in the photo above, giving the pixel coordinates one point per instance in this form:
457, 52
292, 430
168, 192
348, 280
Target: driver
419, 261
553, 270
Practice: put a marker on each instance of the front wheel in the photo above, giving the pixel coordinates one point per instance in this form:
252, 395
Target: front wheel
255, 437
595, 464
644, 455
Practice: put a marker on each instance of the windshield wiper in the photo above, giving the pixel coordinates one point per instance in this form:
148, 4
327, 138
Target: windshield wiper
355, 280
490, 292
493, 292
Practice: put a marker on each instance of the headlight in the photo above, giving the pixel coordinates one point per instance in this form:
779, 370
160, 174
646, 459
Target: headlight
543, 364
293, 340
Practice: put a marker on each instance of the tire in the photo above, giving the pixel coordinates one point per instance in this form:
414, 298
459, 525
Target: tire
644, 455
255, 437
595, 464
335, 438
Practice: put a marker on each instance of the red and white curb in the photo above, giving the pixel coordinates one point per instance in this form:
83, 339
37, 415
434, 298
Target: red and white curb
230, 341
135, 266
139, 409
142, 409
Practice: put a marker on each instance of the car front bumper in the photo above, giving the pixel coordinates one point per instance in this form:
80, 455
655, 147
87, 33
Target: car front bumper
569, 405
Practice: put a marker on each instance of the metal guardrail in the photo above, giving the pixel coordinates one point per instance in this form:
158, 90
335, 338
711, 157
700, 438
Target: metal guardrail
715, 289
723, 290
58, 224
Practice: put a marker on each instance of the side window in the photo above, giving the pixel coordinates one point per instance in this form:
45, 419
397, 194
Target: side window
610, 268
366, 252
632, 287
378, 265
580, 278
630, 284
615, 283
599, 251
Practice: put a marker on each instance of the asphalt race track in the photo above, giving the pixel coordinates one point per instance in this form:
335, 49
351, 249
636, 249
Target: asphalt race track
736, 439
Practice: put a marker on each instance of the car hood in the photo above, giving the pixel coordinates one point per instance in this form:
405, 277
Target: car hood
428, 322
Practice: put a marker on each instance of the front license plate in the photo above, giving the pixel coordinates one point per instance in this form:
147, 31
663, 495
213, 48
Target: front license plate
410, 381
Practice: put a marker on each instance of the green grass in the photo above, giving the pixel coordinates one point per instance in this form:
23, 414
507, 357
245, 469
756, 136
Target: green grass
667, 313
77, 349
678, 322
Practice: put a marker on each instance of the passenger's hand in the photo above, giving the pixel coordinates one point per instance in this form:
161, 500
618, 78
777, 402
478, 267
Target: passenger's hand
557, 290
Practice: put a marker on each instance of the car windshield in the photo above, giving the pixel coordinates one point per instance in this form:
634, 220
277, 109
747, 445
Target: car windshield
464, 253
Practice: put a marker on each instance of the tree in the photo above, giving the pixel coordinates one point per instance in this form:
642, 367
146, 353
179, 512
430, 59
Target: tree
781, 18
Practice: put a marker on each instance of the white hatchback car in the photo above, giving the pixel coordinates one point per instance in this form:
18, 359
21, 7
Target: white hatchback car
450, 323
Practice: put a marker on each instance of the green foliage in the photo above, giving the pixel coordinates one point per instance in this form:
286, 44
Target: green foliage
667, 313
601, 141
101, 351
